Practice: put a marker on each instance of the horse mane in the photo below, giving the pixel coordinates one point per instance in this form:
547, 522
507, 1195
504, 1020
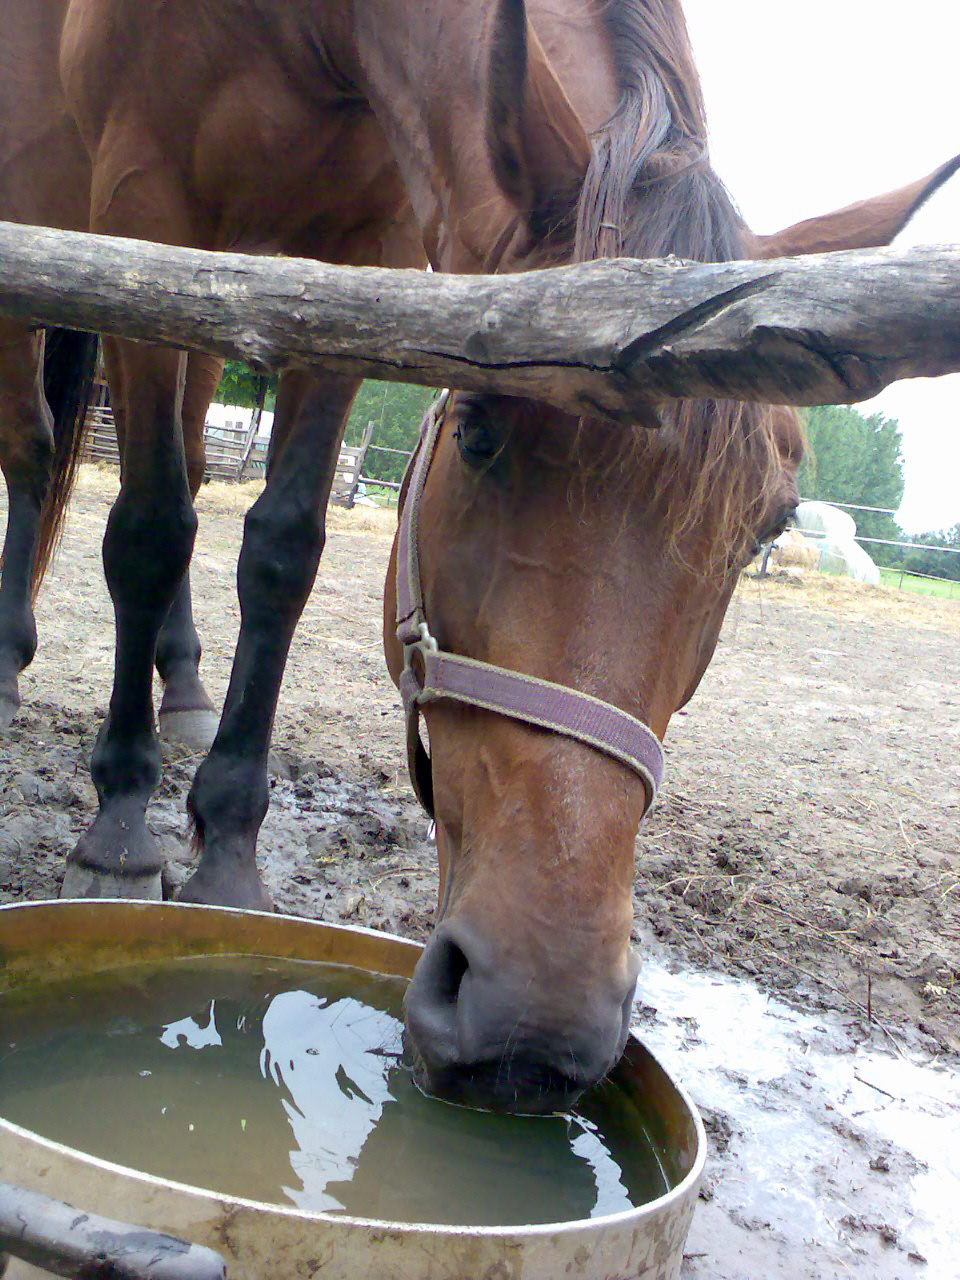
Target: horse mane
650, 192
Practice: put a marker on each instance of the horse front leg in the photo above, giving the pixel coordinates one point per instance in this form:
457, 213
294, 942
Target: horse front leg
282, 543
146, 551
187, 713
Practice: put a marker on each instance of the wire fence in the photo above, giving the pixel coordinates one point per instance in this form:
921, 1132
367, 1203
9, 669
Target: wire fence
856, 506
886, 542
899, 572
948, 586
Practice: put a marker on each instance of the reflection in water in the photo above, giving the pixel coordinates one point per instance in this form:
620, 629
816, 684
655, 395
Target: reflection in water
334, 1087
425, 1159
188, 1031
282, 1081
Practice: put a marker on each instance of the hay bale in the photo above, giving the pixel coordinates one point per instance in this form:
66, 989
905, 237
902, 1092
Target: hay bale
795, 551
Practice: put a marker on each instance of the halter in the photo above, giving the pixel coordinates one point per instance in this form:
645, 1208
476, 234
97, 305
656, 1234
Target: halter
430, 674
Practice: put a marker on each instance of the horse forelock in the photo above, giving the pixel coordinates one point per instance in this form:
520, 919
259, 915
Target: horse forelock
650, 192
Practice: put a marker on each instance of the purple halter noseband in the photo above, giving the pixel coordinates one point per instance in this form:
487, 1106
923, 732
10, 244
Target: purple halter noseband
429, 674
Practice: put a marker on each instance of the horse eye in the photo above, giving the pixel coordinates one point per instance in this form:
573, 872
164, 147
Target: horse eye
476, 439
786, 517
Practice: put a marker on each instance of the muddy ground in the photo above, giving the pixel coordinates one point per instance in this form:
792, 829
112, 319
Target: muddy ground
807, 839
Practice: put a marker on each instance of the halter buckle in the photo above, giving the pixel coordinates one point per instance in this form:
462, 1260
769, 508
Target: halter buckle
426, 643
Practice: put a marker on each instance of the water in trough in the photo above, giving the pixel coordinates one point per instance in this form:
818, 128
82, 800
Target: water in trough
284, 1082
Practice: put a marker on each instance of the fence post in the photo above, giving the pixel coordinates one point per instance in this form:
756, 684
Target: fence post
254, 430
361, 456
766, 557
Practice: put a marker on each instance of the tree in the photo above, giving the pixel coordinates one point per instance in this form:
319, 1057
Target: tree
239, 385
397, 410
856, 459
934, 563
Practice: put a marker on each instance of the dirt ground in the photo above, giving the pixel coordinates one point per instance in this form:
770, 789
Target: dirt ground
808, 834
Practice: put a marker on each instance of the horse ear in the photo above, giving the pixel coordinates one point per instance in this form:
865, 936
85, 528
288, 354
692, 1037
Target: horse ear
866, 225
538, 146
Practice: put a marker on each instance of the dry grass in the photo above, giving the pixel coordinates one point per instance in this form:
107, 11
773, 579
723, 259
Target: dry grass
224, 498
97, 481
830, 593
219, 495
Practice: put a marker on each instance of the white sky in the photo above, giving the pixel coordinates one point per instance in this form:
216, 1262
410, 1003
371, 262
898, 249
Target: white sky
817, 104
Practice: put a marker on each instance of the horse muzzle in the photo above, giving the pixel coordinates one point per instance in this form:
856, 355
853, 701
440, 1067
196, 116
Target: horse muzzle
504, 1036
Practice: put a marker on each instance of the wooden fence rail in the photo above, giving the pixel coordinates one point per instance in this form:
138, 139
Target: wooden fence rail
233, 452
599, 338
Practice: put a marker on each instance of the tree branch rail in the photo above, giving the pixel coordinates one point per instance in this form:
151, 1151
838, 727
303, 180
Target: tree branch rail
599, 338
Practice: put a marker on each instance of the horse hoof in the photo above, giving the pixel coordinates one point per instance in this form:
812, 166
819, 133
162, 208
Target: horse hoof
194, 729
83, 882
245, 892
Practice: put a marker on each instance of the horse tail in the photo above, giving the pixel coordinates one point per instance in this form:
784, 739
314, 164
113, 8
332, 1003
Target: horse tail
69, 365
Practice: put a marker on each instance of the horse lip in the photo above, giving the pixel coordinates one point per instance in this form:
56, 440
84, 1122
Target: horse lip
440, 1071
482, 1087
530, 1087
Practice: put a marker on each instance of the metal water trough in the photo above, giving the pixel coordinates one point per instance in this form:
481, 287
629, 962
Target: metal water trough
47, 940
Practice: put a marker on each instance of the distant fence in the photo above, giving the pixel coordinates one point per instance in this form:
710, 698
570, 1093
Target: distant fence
234, 452
885, 542
392, 486
899, 571
950, 584
891, 542
232, 449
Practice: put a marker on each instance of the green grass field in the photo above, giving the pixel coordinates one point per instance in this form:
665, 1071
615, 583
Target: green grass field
923, 586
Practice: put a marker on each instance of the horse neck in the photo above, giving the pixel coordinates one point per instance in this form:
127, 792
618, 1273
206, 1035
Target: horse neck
422, 68
576, 39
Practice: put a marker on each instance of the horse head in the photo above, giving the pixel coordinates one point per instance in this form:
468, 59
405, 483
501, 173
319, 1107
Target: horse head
593, 556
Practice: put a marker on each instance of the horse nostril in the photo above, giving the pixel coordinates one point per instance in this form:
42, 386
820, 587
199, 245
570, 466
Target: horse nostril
433, 997
451, 965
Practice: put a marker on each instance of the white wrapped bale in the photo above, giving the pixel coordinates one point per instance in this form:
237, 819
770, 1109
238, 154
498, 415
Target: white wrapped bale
821, 518
834, 532
850, 559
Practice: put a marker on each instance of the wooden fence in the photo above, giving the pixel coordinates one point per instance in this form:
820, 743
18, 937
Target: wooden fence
599, 338
100, 444
233, 452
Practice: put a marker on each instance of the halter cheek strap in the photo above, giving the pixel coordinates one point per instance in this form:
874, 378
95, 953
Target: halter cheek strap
430, 675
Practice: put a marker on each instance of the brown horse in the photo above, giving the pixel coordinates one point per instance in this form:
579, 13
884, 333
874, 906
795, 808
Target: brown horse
45, 177
475, 133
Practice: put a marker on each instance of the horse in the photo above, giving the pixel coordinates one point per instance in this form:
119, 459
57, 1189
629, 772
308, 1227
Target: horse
45, 380
477, 135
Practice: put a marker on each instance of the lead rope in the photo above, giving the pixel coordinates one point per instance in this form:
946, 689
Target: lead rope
429, 674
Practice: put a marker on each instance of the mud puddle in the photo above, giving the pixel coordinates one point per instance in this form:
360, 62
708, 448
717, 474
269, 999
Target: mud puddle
827, 1157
